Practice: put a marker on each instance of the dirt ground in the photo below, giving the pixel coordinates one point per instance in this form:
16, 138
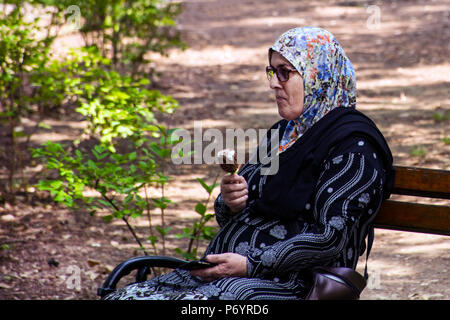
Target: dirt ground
402, 66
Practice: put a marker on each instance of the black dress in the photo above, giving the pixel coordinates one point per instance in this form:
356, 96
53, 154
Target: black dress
287, 228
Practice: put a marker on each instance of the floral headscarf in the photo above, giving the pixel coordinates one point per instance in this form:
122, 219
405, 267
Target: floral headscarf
328, 76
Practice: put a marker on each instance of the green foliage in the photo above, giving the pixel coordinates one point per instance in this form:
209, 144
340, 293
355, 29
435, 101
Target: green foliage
441, 116
133, 146
29, 80
32, 81
27, 86
119, 176
120, 112
199, 230
116, 179
418, 151
116, 106
446, 140
18, 54
124, 31
126, 148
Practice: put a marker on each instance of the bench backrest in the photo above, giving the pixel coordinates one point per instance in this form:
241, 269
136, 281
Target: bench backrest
417, 217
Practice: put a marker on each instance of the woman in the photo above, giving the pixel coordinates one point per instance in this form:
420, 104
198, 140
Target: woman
335, 169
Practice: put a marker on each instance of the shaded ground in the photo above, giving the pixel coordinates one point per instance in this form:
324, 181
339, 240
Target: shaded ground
402, 67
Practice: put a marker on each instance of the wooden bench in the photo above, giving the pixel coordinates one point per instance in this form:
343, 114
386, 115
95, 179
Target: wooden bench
417, 217
394, 215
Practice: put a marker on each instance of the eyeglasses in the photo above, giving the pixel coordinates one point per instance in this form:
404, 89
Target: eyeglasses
281, 72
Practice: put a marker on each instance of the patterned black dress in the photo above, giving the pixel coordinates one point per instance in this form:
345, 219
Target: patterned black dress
329, 230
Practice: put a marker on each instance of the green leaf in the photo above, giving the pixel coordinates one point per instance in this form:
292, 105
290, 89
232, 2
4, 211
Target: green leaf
91, 165
144, 81
188, 233
99, 152
112, 148
441, 116
154, 147
54, 148
136, 214
165, 153
56, 184
209, 232
162, 231
153, 239
213, 186
204, 185
108, 218
105, 203
209, 217
190, 256
418, 151
128, 199
44, 125
19, 134
161, 202
200, 209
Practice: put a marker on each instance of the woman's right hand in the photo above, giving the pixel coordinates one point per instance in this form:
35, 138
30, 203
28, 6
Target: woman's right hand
234, 190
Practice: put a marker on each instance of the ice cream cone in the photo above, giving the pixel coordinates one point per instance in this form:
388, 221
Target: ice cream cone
228, 160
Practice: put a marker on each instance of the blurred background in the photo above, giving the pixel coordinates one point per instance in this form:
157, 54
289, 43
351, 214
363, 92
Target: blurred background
92, 91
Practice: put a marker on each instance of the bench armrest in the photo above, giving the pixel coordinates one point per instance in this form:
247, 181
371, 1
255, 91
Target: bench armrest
142, 264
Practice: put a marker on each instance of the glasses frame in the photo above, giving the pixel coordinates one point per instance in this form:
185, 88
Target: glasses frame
282, 73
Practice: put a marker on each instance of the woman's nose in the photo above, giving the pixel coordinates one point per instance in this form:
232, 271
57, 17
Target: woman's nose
274, 83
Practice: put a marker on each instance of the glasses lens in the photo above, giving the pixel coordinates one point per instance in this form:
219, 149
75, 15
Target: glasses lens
269, 73
283, 74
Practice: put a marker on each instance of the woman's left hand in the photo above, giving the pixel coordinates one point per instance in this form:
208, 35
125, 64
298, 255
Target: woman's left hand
229, 265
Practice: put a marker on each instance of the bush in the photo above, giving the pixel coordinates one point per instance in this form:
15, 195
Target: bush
131, 153
116, 108
31, 81
125, 148
28, 86
124, 31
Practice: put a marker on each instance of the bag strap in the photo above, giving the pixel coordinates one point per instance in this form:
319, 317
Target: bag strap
370, 237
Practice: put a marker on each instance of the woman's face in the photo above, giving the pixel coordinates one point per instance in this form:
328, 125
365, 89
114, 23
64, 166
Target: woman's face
289, 94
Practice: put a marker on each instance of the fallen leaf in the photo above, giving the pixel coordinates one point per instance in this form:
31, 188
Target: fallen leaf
92, 262
5, 286
8, 218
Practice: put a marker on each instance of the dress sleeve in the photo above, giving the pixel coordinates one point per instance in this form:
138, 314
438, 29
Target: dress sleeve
222, 211
349, 187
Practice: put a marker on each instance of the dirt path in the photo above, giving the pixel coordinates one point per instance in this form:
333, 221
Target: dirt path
402, 68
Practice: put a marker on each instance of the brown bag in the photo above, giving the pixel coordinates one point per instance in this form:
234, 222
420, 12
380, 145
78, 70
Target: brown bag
336, 283
340, 283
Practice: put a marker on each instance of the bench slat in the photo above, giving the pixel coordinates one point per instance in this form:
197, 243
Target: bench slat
422, 182
414, 217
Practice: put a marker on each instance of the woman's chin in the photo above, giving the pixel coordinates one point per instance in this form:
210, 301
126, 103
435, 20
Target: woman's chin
287, 115
287, 112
